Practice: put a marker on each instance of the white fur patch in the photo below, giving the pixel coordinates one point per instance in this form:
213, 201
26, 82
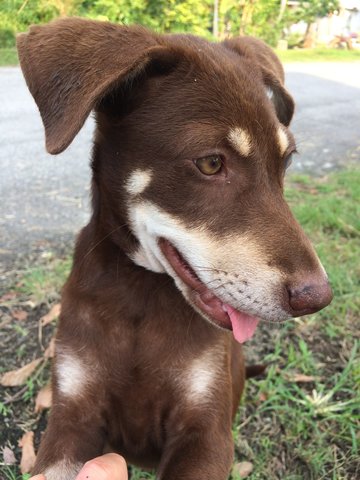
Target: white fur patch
200, 378
269, 93
72, 374
234, 266
283, 140
241, 141
138, 181
63, 470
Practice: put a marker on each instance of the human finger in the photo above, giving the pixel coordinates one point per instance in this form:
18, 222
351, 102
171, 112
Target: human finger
107, 467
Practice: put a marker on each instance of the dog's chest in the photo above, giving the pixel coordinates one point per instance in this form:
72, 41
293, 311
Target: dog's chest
151, 375
153, 402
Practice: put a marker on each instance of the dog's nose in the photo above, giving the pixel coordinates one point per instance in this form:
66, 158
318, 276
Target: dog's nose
309, 297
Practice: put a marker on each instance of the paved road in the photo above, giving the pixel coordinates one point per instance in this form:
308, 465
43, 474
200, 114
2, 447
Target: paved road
44, 199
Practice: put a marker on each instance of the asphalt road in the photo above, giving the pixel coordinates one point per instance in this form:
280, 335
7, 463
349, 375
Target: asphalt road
45, 199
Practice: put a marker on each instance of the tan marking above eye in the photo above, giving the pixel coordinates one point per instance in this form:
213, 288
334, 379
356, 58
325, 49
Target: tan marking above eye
138, 181
283, 140
241, 141
209, 165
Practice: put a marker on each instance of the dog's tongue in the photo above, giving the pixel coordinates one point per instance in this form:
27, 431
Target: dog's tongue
243, 325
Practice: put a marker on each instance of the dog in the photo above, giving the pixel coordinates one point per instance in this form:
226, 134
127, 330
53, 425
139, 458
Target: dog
189, 245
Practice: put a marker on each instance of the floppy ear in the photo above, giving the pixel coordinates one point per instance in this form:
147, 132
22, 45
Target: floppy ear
271, 70
70, 64
281, 99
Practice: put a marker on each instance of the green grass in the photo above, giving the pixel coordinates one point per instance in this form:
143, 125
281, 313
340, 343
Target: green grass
329, 211
10, 474
293, 430
315, 425
44, 283
318, 55
8, 57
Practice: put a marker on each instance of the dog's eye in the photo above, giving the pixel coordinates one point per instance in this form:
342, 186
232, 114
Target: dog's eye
209, 165
288, 161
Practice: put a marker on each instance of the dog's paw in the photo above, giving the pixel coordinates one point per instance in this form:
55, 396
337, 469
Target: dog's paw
63, 470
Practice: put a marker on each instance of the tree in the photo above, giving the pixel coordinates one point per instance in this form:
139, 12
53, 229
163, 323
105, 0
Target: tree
309, 11
260, 18
162, 15
216, 19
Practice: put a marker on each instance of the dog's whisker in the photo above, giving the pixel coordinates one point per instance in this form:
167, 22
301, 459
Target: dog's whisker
216, 270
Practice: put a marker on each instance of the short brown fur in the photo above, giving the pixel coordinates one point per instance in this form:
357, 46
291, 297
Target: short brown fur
160, 102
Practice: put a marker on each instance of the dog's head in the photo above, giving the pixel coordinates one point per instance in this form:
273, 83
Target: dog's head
191, 148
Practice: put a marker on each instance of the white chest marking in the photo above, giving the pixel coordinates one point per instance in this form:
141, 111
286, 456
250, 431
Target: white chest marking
201, 377
138, 181
241, 141
72, 374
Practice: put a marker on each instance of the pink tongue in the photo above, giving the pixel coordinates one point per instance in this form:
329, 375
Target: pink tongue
243, 325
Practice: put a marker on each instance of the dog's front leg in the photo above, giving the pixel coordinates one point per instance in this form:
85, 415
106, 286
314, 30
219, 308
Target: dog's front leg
73, 436
76, 427
202, 455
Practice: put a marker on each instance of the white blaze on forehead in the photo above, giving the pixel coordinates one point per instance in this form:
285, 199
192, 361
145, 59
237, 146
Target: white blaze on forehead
138, 181
72, 374
241, 141
283, 140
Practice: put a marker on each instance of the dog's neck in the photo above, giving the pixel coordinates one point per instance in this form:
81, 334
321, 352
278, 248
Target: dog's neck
134, 298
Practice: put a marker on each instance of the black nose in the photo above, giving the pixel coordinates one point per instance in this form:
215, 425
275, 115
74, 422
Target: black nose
309, 297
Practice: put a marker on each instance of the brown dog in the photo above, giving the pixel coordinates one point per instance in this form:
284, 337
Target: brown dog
190, 239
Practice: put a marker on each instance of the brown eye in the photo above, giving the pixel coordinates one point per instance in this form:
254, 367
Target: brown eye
209, 165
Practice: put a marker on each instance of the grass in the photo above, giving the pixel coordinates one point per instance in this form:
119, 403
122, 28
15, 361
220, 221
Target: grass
318, 55
302, 420
42, 284
10, 474
8, 57
315, 424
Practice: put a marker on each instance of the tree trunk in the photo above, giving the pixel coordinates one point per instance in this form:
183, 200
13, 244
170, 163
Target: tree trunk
216, 19
309, 38
283, 4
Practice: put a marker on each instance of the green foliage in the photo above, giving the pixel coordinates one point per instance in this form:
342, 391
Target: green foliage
8, 56
17, 15
121, 11
310, 10
161, 15
261, 18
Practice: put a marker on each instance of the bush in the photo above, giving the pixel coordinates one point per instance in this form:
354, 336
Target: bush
7, 37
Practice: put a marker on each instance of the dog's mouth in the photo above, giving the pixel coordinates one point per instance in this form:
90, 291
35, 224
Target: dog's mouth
223, 315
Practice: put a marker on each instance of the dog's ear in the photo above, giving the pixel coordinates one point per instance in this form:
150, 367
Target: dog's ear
272, 73
71, 64
280, 97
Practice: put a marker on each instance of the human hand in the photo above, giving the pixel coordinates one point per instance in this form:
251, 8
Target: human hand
107, 467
